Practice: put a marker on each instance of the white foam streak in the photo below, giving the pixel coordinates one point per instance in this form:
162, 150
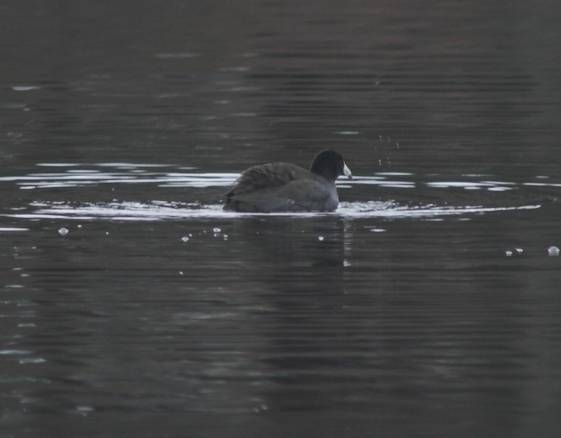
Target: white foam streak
159, 210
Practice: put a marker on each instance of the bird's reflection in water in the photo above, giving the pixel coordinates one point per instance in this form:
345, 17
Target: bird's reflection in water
300, 268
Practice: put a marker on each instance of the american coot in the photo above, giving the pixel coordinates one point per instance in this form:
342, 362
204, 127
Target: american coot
277, 187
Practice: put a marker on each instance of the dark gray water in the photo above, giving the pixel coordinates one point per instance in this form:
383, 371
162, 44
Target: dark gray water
427, 305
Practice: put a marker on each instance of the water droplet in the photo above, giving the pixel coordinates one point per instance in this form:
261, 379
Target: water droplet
63, 231
181, 273
321, 238
553, 251
107, 233
185, 239
262, 407
84, 410
508, 253
519, 250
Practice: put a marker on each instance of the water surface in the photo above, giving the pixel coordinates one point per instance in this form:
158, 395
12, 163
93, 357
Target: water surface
131, 304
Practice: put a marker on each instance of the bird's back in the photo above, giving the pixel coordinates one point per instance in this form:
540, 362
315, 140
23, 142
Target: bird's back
267, 176
277, 187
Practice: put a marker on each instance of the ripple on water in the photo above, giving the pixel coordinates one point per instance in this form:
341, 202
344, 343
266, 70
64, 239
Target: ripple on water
161, 210
25, 87
164, 175
71, 175
14, 352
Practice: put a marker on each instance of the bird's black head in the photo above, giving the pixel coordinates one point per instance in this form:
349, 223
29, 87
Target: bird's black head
330, 165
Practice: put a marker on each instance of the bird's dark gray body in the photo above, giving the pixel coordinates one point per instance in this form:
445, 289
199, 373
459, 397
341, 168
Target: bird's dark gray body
278, 187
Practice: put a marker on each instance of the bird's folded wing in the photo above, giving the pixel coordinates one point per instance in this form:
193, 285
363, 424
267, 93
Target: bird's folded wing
265, 176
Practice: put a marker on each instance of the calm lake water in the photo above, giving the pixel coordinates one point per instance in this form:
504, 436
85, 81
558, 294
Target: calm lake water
131, 305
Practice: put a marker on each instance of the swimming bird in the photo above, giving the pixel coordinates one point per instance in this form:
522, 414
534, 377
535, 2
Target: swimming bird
278, 187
